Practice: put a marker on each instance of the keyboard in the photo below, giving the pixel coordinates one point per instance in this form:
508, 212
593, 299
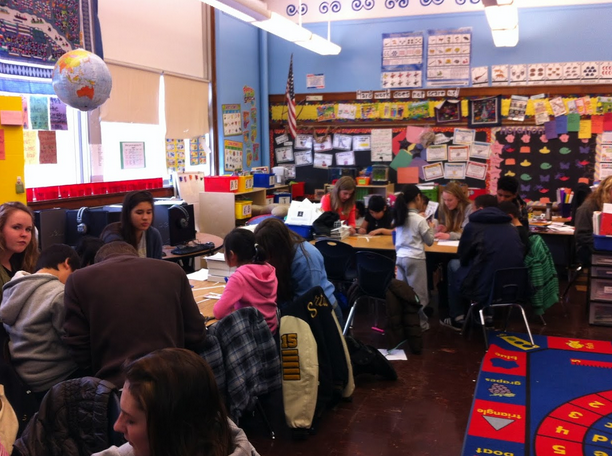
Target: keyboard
191, 249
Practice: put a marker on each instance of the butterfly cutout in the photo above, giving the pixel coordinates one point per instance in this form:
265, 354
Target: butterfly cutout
564, 165
525, 188
544, 178
585, 150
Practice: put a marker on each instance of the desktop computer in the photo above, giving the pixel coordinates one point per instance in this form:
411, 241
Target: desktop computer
175, 221
51, 226
89, 221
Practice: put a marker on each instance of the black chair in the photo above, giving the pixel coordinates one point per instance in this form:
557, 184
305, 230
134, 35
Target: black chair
510, 288
339, 259
374, 273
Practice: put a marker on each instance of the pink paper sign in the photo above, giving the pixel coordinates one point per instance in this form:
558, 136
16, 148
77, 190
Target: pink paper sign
11, 117
48, 147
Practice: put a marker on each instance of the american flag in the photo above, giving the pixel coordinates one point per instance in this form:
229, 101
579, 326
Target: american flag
290, 96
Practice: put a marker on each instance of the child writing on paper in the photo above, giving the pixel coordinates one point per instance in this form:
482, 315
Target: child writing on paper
378, 218
412, 232
254, 282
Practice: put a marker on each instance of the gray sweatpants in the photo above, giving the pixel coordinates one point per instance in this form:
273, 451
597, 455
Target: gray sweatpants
414, 272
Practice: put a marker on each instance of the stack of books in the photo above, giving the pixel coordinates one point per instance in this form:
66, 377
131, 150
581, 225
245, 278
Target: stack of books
218, 270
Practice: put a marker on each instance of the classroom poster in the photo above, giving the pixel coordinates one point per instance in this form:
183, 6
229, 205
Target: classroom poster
30, 147
449, 55
197, 151
133, 155
232, 121
402, 60
57, 111
381, 144
48, 147
39, 113
232, 155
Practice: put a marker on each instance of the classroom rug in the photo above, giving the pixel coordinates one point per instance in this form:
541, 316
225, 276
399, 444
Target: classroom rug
554, 398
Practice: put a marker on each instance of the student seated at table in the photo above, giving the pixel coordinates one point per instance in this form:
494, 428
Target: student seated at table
18, 245
512, 210
254, 282
171, 404
453, 213
507, 190
360, 212
378, 218
32, 312
298, 264
341, 199
584, 220
87, 247
136, 226
489, 242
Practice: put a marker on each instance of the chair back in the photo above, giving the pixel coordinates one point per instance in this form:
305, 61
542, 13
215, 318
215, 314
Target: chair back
338, 257
374, 273
510, 286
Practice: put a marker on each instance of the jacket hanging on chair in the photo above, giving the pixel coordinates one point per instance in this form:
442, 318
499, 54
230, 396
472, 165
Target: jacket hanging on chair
542, 275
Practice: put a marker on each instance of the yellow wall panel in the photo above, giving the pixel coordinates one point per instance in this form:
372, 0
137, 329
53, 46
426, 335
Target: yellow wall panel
13, 165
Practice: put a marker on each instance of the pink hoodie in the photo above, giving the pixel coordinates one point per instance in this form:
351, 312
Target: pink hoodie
251, 285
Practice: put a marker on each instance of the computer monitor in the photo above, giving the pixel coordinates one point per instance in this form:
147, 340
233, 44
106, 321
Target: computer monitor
89, 221
175, 222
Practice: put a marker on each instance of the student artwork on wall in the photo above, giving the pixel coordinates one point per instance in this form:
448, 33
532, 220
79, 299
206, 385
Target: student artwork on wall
323, 144
485, 112
361, 142
303, 158
323, 160
342, 142
345, 158
284, 154
448, 111
540, 165
303, 142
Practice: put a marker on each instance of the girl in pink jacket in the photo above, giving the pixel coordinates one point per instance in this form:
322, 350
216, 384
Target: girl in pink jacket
254, 282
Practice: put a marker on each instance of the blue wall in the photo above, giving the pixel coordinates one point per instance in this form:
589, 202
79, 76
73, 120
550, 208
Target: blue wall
565, 34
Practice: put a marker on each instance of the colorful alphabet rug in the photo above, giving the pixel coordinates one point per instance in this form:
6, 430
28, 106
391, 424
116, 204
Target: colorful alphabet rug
554, 398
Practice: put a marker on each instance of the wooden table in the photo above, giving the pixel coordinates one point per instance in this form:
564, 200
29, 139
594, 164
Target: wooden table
202, 288
385, 242
187, 261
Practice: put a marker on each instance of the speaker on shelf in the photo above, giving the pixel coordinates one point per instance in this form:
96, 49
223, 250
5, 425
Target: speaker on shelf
51, 226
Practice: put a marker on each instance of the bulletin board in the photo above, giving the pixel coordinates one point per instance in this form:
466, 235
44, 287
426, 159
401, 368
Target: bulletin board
541, 165
315, 178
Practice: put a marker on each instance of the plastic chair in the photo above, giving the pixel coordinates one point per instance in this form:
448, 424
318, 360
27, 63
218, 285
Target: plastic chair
510, 288
374, 273
339, 259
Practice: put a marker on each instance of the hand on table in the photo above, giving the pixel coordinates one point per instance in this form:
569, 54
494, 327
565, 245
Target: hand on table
442, 236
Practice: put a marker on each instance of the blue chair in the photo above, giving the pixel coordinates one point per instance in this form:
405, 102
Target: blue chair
374, 274
339, 259
510, 288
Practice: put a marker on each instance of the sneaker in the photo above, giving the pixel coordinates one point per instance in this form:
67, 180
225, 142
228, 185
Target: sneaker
452, 324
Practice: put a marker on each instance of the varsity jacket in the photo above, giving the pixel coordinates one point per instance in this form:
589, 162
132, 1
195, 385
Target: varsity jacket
316, 365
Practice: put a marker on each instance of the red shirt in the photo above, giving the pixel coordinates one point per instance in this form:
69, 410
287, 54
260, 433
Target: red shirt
326, 207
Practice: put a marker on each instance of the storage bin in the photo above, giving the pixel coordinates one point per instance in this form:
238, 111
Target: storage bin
243, 209
601, 271
601, 290
297, 190
264, 180
303, 230
602, 242
269, 199
600, 314
245, 183
601, 260
363, 180
282, 198
221, 184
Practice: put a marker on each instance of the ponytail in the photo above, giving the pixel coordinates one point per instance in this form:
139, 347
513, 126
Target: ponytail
408, 195
259, 256
242, 243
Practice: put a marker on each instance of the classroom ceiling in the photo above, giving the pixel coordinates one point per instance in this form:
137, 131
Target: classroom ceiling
338, 10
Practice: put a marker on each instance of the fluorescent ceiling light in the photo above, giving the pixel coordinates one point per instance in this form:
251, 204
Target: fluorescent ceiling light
502, 16
284, 28
245, 10
505, 37
320, 45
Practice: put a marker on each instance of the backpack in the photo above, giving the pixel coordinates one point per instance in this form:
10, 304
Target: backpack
368, 360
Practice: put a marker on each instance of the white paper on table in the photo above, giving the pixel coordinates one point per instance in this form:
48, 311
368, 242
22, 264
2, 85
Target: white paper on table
448, 242
201, 275
394, 355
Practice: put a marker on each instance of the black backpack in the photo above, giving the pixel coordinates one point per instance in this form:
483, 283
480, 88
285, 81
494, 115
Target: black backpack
366, 359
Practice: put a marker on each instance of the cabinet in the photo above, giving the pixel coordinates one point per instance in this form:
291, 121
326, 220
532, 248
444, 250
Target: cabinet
217, 210
600, 289
382, 190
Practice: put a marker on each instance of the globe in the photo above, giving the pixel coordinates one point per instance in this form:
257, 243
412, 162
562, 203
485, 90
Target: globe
81, 79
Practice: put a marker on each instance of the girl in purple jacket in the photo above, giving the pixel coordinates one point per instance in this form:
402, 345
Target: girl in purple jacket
254, 282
